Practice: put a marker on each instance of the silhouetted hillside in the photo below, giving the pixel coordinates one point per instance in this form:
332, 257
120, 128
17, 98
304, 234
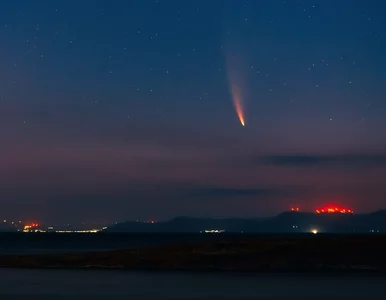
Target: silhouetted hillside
287, 222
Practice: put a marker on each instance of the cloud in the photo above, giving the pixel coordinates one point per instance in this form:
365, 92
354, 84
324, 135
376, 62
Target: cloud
206, 192
346, 160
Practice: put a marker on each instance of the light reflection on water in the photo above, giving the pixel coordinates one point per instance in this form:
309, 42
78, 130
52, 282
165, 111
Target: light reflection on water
79, 285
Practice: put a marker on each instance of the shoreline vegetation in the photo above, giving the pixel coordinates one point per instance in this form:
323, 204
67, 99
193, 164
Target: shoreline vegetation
292, 254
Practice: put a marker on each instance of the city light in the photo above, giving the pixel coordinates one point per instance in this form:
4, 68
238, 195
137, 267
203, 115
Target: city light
314, 231
214, 231
33, 227
78, 231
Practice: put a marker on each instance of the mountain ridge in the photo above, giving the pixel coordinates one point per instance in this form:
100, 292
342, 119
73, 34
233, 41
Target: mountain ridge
285, 222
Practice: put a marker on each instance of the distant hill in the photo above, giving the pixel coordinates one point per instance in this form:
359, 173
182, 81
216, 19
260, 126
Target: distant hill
287, 222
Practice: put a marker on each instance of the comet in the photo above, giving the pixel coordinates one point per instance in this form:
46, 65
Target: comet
238, 103
237, 84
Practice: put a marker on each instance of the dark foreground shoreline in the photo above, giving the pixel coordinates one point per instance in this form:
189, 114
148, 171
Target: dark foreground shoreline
264, 254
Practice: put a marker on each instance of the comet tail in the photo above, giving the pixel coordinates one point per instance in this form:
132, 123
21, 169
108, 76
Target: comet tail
238, 103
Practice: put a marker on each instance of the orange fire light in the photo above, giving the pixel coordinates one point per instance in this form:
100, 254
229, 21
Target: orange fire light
334, 209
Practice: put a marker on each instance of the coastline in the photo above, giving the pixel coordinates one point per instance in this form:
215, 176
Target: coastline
295, 254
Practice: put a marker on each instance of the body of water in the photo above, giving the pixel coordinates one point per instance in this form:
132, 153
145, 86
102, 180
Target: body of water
39, 243
82, 285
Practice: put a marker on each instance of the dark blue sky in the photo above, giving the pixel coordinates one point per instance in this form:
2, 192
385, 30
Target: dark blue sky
113, 110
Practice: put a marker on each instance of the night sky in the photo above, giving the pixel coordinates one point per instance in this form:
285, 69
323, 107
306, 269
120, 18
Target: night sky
118, 110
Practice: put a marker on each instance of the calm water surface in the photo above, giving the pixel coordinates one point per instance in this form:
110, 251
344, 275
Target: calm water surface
77, 285
21, 243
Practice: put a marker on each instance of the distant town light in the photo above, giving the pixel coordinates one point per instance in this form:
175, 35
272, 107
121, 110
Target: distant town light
314, 231
79, 231
214, 231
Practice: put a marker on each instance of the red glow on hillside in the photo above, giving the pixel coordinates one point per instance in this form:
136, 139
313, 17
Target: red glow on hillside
334, 210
